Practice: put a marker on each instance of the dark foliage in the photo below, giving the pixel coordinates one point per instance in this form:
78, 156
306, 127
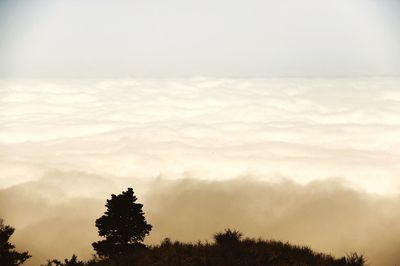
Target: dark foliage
9, 256
228, 250
353, 259
228, 238
123, 225
72, 262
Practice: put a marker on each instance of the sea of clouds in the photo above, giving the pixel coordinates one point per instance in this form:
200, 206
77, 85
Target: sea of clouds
312, 161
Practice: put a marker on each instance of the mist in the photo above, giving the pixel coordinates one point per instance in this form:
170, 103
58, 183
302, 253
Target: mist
323, 215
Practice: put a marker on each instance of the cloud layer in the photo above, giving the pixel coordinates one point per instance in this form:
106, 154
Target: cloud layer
313, 161
300, 129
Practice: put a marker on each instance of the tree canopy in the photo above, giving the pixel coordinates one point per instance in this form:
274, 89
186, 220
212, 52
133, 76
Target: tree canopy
123, 225
8, 255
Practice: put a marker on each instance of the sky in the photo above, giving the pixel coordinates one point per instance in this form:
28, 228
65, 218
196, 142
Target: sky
276, 118
199, 38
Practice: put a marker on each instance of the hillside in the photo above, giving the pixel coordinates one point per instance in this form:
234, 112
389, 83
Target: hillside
228, 249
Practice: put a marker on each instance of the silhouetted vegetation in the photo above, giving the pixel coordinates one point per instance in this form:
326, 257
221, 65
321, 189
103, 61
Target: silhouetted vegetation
228, 238
353, 259
8, 255
123, 225
228, 249
67, 262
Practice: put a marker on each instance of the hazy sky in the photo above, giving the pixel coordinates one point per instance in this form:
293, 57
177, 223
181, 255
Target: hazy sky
70, 38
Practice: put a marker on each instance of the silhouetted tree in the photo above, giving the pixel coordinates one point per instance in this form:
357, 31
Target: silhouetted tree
123, 225
9, 256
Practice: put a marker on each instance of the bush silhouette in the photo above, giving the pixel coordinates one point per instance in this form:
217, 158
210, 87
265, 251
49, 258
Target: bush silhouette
229, 237
8, 256
353, 259
123, 225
